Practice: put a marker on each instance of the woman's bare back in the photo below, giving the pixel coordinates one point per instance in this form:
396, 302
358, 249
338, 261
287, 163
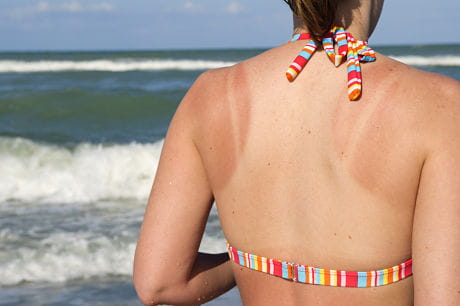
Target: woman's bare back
300, 173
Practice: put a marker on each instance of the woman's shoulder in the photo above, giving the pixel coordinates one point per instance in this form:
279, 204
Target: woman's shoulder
215, 83
423, 82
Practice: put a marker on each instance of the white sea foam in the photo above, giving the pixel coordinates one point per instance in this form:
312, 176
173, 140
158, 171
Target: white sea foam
108, 65
42, 173
66, 256
444, 60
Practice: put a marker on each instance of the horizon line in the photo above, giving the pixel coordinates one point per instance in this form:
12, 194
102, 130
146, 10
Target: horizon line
89, 50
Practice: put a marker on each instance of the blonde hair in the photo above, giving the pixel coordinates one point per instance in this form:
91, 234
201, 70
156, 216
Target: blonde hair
318, 15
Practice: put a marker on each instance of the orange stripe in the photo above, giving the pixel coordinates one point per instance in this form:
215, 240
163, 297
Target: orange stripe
369, 279
307, 275
289, 269
327, 277
390, 275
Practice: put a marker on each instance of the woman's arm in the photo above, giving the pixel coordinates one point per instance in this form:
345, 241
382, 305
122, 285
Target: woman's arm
167, 266
436, 232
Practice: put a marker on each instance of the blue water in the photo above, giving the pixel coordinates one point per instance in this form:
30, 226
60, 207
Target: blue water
80, 137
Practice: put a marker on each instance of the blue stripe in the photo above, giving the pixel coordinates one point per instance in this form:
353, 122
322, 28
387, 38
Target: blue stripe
351, 68
252, 261
240, 257
380, 282
284, 270
328, 40
368, 58
362, 279
295, 37
302, 276
305, 55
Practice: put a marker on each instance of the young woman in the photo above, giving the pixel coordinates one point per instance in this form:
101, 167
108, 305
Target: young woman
333, 184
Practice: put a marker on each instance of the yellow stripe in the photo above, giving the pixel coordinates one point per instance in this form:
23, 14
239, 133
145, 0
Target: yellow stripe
321, 274
256, 262
292, 71
264, 265
354, 87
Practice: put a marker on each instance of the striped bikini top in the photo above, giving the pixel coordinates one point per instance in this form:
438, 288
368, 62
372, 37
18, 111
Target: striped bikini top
316, 276
354, 51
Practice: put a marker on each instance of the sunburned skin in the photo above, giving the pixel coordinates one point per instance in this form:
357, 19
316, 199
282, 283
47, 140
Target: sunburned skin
345, 176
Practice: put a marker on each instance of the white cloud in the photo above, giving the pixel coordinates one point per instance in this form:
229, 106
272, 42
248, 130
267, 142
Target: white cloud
43, 6
66, 6
234, 7
72, 6
104, 6
188, 5
191, 6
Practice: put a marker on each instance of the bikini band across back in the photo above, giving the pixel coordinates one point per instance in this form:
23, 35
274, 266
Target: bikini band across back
316, 276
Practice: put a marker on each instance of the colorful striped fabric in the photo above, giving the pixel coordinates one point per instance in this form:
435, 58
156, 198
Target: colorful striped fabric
355, 51
316, 276
302, 59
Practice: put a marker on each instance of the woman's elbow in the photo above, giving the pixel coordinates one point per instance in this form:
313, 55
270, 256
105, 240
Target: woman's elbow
148, 288
146, 294
153, 290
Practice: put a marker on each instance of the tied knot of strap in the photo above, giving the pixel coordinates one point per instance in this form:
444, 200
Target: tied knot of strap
354, 51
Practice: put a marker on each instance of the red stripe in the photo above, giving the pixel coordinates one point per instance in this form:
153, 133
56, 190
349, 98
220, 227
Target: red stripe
278, 271
236, 258
301, 61
408, 268
354, 74
304, 36
352, 278
294, 68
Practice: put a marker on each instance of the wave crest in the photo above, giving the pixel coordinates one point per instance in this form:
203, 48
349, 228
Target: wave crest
444, 60
43, 173
66, 256
108, 65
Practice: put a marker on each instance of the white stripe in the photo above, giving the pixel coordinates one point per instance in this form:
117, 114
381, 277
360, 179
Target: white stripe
272, 268
373, 278
343, 278
354, 80
338, 60
333, 278
297, 66
310, 47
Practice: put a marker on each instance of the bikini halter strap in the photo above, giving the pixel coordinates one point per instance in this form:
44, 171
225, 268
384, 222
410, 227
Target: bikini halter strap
355, 51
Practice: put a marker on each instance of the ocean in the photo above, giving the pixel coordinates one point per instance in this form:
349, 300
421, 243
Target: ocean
80, 138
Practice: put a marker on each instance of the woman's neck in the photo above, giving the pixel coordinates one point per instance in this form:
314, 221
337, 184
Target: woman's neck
357, 17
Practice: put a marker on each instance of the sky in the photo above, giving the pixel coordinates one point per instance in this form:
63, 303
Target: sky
30, 25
